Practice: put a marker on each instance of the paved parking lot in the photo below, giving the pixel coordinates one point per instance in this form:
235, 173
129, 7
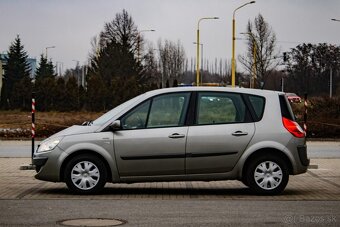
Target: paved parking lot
322, 183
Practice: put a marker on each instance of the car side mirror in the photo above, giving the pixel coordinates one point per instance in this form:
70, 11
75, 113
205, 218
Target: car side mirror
114, 126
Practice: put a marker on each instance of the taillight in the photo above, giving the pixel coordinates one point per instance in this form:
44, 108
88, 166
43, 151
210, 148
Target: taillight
293, 127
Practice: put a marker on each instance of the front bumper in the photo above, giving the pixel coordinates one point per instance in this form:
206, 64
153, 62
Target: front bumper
38, 162
48, 164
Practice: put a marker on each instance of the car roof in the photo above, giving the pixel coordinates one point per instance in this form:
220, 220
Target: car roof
214, 89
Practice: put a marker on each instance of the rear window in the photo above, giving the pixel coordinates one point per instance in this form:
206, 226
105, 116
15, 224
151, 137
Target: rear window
286, 109
257, 103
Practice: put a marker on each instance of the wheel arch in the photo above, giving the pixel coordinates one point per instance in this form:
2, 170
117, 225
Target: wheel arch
88, 152
263, 152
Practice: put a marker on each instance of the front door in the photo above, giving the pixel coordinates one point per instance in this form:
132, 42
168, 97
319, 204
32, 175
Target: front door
153, 137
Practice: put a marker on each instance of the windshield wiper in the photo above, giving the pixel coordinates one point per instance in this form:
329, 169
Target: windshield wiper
87, 123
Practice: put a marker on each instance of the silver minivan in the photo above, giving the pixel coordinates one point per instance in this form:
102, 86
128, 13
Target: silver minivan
181, 134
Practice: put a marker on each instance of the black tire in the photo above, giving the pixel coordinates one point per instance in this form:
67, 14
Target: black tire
273, 180
92, 174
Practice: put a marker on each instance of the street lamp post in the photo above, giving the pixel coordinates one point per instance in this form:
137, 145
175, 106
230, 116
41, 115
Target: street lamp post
253, 79
47, 49
59, 67
233, 63
331, 72
138, 41
77, 72
201, 44
198, 49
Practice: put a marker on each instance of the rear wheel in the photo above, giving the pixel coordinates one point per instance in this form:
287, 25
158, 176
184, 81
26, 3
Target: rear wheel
267, 175
85, 174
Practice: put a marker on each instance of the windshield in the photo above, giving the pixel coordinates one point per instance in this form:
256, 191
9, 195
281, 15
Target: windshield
107, 116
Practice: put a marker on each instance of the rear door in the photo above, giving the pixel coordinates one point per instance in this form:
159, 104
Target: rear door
221, 131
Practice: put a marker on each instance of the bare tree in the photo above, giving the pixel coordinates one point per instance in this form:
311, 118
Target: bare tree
150, 69
172, 59
264, 38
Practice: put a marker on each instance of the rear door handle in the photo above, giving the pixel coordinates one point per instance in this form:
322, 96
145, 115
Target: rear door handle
176, 136
239, 133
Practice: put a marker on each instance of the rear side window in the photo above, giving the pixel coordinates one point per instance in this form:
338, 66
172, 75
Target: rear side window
286, 110
258, 104
220, 108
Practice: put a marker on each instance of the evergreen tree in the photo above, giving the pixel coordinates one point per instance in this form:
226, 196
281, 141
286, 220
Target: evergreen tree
123, 31
96, 92
21, 98
16, 77
45, 85
115, 65
45, 69
81, 97
45, 94
309, 65
60, 95
72, 95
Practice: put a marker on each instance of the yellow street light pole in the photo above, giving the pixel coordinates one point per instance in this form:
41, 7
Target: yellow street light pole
254, 65
253, 79
201, 44
233, 63
198, 49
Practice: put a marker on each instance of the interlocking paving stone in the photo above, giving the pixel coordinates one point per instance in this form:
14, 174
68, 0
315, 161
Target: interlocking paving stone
317, 184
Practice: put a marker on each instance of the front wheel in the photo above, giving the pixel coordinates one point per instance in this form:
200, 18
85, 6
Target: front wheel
85, 174
267, 175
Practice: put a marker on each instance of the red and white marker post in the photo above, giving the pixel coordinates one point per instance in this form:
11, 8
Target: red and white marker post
33, 122
305, 115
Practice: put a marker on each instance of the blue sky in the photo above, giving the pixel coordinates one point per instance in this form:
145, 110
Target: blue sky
70, 24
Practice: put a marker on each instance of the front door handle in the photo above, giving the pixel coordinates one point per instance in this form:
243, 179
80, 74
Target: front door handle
176, 136
239, 133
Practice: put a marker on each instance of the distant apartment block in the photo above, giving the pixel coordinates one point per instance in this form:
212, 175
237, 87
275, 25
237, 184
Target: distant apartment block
31, 61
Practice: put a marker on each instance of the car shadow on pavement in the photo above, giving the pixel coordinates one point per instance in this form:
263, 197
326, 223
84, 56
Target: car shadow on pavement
127, 192
178, 191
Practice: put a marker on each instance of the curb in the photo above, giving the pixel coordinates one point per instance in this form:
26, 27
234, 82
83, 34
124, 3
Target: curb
313, 166
27, 167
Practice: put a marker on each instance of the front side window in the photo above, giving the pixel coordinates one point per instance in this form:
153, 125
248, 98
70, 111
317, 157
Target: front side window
137, 117
219, 108
167, 110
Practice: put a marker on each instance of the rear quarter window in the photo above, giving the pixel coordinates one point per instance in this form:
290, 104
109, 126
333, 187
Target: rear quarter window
286, 109
258, 103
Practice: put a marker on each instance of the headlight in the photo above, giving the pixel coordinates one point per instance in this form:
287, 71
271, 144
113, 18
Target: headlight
48, 145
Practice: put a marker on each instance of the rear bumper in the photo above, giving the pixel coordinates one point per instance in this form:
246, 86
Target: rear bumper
302, 151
